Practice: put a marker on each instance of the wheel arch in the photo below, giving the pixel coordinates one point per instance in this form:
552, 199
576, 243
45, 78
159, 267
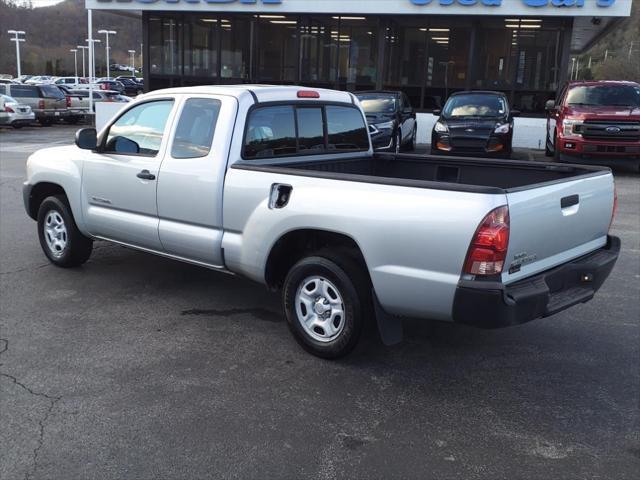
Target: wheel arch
38, 193
296, 244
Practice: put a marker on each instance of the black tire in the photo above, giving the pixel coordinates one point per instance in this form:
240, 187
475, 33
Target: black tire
17, 126
72, 120
77, 248
556, 153
398, 141
45, 123
414, 140
352, 286
547, 150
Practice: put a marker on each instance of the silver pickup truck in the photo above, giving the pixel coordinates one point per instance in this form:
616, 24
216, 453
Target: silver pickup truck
280, 185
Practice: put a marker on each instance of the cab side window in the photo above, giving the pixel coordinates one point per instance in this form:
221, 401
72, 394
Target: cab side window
196, 128
140, 130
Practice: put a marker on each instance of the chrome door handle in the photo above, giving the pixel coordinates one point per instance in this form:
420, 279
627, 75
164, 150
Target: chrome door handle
146, 175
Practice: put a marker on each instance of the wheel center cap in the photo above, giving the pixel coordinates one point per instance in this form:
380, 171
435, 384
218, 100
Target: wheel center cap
320, 307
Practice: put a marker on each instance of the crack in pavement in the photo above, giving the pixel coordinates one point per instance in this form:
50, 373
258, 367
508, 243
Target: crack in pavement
42, 422
23, 269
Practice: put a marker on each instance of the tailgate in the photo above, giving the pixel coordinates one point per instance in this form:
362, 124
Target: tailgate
555, 223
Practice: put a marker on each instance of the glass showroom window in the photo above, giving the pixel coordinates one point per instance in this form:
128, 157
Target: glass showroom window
201, 49
277, 48
235, 44
358, 52
319, 51
172, 46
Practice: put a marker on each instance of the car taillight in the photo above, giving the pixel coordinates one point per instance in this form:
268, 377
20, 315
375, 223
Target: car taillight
8, 109
615, 206
488, 249
41, 104
68, 102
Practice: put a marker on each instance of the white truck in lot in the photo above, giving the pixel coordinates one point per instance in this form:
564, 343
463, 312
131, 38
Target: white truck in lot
280, 185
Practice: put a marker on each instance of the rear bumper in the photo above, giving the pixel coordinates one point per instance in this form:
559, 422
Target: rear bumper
493, 305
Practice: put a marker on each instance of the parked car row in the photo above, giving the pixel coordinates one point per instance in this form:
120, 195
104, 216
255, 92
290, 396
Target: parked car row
591, 122
50, 103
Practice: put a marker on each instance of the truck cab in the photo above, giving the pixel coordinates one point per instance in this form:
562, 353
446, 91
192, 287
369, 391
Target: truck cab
595, 122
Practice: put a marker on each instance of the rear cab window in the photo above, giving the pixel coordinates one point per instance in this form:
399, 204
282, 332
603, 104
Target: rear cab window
24, 91
50, 91
275, 131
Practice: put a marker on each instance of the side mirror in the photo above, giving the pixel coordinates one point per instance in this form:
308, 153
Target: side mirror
436, 112
550, 105
87, 139
407, 111
515, 113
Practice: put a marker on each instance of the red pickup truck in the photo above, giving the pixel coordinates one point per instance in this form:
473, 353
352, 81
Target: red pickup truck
595, 122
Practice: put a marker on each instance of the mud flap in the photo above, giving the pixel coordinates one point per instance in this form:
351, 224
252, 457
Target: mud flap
389, 326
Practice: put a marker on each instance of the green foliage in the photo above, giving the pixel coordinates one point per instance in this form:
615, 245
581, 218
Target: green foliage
52, 31
617, 55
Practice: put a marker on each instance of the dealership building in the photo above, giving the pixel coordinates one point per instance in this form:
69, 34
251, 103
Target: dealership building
426, 48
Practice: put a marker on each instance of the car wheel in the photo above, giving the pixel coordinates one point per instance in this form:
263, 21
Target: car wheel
62, 242
17, 126
414, 139
45, 123
72, 120
547, 150
326, 301
556, 151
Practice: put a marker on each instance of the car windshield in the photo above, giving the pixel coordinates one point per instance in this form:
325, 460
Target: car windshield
377, 103
605, 95
475, 105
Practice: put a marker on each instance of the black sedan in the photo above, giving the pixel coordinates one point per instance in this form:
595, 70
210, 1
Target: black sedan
391, 118
474, 123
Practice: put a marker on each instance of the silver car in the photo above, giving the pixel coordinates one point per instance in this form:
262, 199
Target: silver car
16, 114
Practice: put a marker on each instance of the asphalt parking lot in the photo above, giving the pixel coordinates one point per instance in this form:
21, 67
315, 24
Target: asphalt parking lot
139, 367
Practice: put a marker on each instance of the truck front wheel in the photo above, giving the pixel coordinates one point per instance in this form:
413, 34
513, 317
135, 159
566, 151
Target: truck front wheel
325, 300
62, 242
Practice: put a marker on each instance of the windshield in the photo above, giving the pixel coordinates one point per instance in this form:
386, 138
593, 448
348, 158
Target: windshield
605, 95
475, 106
377, 103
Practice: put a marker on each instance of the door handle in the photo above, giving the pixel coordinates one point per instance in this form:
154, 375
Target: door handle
146, 175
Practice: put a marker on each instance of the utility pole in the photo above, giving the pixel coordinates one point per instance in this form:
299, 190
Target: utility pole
16, 38
92, 56
573, 64
107, 33
133, 61
75, 60
83, 48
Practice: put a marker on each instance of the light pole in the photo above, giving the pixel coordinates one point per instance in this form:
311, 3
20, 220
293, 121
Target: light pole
16, 38
92, 56
83, 48
75, 60
107, 33
133, 61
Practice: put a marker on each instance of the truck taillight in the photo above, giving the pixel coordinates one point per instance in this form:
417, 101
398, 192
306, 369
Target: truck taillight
41, 104
488, 249
8, 109
68, 102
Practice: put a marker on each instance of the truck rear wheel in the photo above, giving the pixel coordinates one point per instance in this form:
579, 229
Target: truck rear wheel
326, 300
63, 244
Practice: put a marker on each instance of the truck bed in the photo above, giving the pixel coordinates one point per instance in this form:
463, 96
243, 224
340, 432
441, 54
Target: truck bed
445, 173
